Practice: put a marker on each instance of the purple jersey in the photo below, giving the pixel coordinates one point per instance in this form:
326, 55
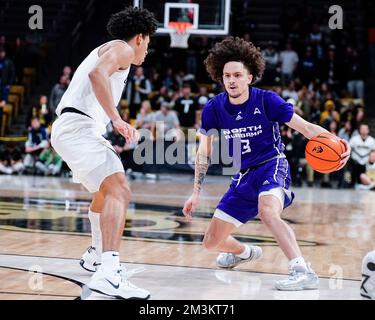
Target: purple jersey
254, 124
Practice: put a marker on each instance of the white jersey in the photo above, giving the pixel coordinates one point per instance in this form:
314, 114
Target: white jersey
80, 94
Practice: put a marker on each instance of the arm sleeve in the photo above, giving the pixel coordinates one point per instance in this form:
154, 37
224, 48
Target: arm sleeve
209, 119
276, 108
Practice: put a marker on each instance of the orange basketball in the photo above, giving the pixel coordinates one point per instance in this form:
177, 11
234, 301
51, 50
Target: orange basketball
323, 152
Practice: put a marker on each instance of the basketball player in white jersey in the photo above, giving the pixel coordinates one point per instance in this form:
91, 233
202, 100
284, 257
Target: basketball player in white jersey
86, 108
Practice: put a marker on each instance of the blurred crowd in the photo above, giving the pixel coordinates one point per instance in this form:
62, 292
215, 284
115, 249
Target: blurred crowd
312, 71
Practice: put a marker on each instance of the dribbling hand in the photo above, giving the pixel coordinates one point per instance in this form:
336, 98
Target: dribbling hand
126, 130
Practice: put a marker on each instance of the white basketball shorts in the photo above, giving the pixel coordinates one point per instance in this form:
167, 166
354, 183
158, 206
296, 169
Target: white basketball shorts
78, 140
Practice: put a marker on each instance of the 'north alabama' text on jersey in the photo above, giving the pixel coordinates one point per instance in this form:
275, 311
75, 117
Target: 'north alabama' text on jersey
253, 125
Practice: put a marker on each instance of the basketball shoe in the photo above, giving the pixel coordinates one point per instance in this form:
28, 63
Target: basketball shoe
230, 260
116, 284
368, 276
299, 279
90, 259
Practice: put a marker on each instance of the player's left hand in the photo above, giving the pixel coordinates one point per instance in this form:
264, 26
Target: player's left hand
346, 155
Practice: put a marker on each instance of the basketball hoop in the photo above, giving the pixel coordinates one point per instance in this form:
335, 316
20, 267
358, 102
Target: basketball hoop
179, 34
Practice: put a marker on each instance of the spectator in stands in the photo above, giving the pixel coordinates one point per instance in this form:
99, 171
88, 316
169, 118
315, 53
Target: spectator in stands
159, 98
331, 69
19, 57
329, 114
361, 145
359, 116
37, 141
290, 91
11, 160
68, 72
367, 178
167, 124
348, 112
289, 61
272, 60
315, 39
203, 92
145, 120
49, 162
355, 76
7, 74
346, 131
169, 80
186, 108
57, 92
308, 67
40, 111
155, 78
333, 127
139, 87
5, 167
314, 116
126, 116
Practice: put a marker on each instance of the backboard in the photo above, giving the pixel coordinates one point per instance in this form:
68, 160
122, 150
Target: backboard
208, 17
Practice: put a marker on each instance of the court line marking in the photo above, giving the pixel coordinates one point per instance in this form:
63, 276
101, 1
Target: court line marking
75, 193
127, 238
168, 265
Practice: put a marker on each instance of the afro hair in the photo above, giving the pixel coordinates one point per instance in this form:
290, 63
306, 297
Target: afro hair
234, 49
131, 21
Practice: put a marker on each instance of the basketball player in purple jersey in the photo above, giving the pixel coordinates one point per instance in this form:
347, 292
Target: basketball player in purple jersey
250, 117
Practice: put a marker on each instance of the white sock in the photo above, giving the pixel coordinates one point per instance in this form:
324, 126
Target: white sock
297, 262
246, 253
110, 261
96, 233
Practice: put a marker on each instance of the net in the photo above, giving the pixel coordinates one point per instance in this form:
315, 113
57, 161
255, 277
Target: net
179, 34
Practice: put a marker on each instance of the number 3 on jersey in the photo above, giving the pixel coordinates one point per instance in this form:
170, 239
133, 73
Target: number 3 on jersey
245, 145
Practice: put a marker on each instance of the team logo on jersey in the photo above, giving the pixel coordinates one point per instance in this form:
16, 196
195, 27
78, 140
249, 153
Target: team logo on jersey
239, 117
257, 111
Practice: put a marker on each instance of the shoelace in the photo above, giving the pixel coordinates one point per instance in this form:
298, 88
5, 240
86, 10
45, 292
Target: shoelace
127, 274
230, 258
293, 274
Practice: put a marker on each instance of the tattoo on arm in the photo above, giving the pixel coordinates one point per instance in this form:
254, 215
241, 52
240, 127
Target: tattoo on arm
202, 163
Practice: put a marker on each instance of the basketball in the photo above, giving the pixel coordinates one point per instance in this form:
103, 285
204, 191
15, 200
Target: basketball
323, 152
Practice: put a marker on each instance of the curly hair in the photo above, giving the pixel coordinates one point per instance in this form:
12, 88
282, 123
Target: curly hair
234, 49
131, 21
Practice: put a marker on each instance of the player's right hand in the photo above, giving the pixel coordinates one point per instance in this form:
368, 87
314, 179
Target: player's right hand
126, 130
190, 205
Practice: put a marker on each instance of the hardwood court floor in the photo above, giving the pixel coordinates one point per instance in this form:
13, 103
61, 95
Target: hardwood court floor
44, 226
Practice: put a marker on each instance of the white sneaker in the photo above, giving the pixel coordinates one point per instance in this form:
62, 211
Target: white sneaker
368, 276
230, 260
116, 284
90, 260
299, 279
